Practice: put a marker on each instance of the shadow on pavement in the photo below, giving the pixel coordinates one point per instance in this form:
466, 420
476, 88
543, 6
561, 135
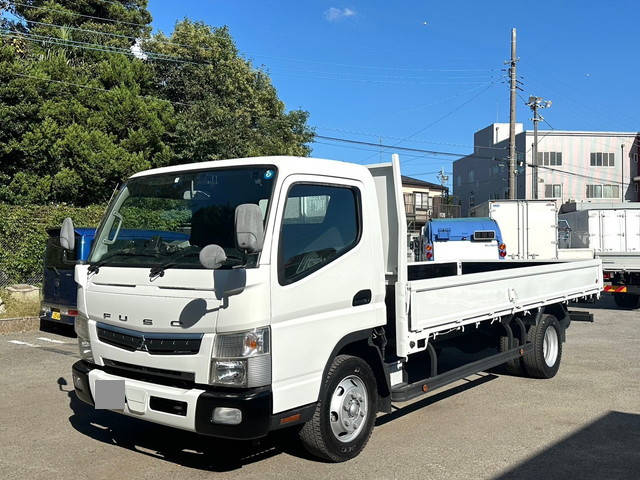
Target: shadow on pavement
173, 445
607, 448
202, 452
57, 328
606, 302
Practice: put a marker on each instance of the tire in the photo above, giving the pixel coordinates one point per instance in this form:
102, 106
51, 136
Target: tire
349, 393
626, 300
544, 360
515, 366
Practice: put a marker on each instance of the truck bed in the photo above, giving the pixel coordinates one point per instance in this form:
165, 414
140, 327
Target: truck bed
429, 298
488, 290
620, 261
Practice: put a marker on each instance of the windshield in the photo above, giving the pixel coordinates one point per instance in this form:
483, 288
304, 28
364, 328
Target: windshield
171, 217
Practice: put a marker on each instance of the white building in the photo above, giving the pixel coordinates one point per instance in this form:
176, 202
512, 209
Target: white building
571, 166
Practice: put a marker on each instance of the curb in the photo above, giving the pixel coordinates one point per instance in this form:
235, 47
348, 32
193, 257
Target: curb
18, 325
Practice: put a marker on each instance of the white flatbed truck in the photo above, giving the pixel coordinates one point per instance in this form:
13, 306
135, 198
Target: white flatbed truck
288, 302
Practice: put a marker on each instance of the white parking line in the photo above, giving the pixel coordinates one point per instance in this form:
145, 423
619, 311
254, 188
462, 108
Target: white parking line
45, 339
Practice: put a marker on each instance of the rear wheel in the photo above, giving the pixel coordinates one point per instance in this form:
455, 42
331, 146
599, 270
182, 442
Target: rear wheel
512, 367
346, 412
626, 300
543, 361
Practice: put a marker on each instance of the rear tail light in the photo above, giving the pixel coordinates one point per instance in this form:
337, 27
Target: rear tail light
503, 253
606, 275
502, 250
429, 249
73, 313
429, 255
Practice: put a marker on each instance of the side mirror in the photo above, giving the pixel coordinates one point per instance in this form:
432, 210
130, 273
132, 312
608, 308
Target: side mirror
212, 256
67, 235
249, 227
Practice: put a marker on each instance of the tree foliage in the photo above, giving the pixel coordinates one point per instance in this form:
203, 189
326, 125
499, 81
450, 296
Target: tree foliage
80, 113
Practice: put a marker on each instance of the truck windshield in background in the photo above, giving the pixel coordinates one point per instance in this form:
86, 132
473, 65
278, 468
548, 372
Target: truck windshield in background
171, 217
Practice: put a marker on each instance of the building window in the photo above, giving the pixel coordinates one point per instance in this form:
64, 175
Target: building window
422, 200
602, 159
553, 191
603, 191
410, 206
551, 159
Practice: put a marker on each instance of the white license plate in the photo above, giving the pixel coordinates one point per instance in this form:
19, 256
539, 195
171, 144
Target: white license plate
109, 394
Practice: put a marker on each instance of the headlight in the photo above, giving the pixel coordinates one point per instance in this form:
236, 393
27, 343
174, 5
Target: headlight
242, 359
84, 342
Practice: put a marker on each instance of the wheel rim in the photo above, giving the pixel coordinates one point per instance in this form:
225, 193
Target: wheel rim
348, 408
550, 346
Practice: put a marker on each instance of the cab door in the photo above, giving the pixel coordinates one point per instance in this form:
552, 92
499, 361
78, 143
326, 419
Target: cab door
326, 281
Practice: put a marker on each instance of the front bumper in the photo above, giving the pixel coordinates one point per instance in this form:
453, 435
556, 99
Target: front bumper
147, 400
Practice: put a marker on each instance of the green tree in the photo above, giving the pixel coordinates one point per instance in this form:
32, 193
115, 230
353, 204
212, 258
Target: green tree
225, 107
80, 112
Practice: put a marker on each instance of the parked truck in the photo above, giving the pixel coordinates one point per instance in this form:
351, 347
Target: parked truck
529, 227
291, 303
613, 232
59, 294
452, 239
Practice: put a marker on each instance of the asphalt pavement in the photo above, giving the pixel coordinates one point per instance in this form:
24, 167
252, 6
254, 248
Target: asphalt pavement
584, 423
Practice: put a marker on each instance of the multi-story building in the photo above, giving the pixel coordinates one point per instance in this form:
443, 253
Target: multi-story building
570, 166
422, 201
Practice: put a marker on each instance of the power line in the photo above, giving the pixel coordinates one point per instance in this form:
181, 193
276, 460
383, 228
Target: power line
71, 84
443, 116
95, 47
379, 145
75, 14
377, 135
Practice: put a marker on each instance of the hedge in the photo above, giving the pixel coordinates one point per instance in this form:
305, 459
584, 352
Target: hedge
23, 236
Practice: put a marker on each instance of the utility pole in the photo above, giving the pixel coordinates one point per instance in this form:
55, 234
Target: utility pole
535, 103
512, 117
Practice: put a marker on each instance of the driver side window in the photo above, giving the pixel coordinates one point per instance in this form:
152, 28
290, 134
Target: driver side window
321, 222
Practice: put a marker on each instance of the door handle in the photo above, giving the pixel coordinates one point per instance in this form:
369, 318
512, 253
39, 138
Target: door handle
361, 298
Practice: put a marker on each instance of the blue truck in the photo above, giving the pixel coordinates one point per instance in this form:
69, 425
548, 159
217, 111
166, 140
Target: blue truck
59, 287
452, 239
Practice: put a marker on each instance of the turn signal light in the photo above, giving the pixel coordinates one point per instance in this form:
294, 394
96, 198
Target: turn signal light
502, 246
429, 247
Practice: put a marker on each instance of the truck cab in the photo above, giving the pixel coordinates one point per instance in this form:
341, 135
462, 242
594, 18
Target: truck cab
446, 239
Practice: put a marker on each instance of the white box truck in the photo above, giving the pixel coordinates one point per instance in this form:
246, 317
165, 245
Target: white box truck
529, 227
613, 232
282, 297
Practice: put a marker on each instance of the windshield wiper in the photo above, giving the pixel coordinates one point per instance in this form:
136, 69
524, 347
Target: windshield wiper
95, 267
158, 270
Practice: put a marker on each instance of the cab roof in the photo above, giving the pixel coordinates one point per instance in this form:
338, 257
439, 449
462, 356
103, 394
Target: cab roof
286, 165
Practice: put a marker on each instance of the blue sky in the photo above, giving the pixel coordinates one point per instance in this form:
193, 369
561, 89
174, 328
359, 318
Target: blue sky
425, 74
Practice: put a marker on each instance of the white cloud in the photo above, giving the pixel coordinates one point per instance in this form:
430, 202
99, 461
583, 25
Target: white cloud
334, 14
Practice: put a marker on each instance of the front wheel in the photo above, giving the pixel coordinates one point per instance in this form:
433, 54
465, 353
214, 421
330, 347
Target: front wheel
346, 411
543, 361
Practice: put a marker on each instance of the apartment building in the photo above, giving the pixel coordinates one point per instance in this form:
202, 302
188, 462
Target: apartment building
571, 166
